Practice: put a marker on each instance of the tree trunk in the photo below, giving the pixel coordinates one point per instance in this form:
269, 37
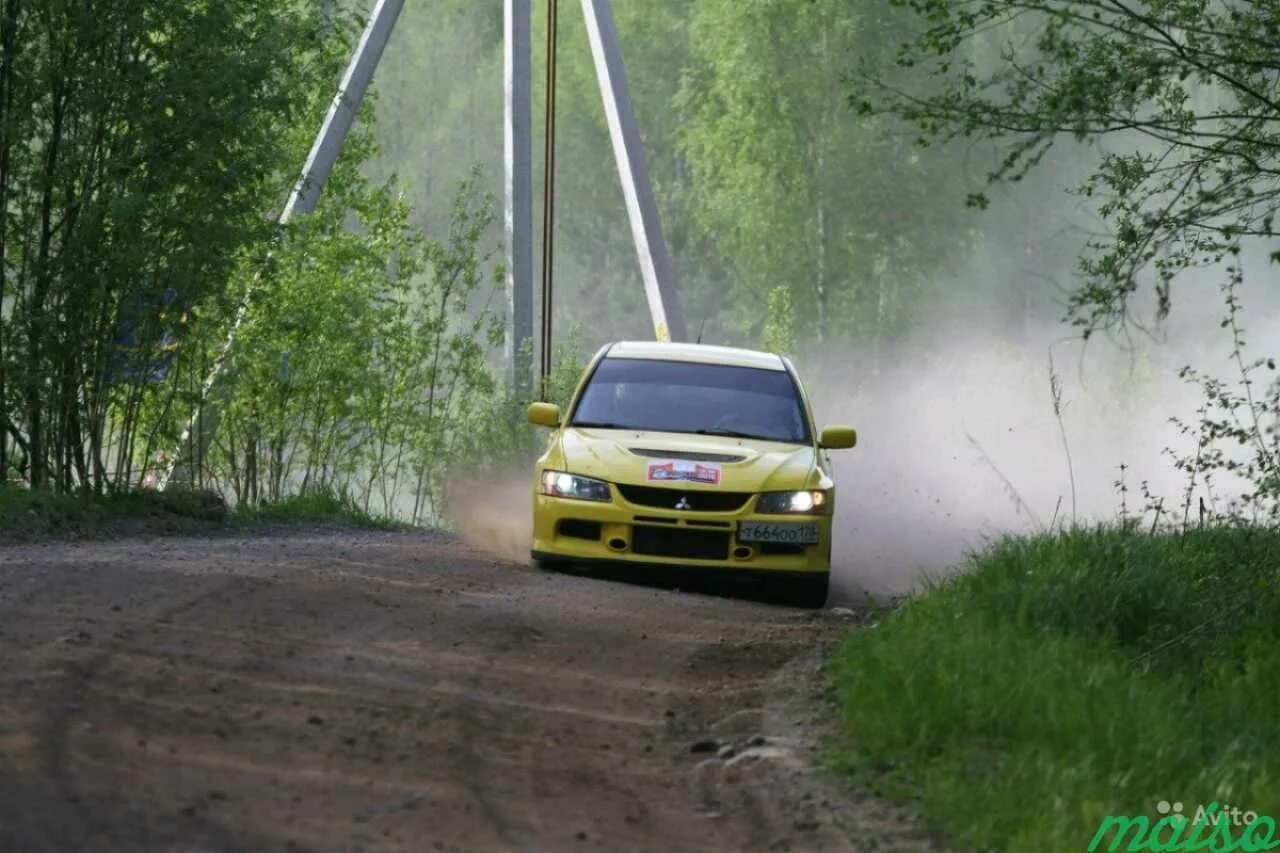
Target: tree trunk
821, 283
36, 374
8, 46
818, 156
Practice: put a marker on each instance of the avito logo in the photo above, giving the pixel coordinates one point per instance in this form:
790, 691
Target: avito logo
1214, 828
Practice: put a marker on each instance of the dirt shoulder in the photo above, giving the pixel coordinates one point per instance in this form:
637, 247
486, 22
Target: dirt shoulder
339, 691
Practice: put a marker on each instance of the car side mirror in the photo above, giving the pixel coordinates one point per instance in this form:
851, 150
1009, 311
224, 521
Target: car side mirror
543, 414
838, 437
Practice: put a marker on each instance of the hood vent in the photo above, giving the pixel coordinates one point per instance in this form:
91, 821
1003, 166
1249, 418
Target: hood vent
692, 456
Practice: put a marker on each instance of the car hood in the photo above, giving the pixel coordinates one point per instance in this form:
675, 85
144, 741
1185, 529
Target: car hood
669, 459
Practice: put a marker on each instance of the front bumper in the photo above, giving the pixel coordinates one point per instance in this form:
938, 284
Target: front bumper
619, 531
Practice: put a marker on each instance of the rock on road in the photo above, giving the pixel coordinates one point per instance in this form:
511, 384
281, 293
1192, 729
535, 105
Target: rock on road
347, 691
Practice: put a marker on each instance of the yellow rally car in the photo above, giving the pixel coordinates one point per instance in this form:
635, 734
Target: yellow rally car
689, 455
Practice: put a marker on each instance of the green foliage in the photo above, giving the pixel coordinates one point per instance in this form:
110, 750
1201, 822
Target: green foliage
138, 177
795, 187
140, 144
1187, 88
1069, 676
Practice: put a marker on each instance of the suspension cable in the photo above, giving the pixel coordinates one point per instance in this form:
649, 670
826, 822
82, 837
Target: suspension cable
549, 191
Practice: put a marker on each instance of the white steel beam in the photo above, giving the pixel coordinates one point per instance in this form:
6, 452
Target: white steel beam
343, 110
518, 159
655, 261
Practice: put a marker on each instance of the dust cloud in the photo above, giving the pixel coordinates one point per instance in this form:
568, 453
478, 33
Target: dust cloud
497, 518
964, 446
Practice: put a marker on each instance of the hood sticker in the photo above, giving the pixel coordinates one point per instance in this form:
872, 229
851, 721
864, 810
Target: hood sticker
679, 469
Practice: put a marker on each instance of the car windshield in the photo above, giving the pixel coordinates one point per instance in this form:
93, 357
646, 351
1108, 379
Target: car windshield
690, 397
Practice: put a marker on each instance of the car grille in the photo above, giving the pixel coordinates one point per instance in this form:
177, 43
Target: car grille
580, 529
689, 544
697, 501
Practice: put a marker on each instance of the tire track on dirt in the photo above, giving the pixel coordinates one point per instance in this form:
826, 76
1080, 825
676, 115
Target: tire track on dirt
56, 736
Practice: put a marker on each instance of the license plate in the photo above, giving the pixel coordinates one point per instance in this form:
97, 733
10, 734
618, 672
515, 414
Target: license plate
789, 533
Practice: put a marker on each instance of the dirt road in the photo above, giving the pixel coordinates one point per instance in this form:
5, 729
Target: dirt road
345, 691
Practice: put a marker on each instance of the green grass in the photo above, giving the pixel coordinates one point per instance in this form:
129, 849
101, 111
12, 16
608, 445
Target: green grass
27, 515
321, 505
1069, 676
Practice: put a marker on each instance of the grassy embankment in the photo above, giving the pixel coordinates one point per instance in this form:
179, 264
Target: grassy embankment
1069, 676
27, 515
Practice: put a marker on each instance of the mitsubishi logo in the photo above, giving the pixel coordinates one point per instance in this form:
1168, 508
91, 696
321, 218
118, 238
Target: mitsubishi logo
683, 503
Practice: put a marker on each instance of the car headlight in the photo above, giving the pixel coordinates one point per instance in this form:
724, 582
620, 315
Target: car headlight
807, 503
562, 484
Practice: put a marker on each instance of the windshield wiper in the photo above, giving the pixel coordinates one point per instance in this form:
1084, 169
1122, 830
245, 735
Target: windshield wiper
729, 433
722, 433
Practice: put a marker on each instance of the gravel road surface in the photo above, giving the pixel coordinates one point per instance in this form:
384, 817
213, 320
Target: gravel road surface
348, 691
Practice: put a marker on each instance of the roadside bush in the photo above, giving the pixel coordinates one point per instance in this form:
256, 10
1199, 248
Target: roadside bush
499, 437
362, 367
319, 505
